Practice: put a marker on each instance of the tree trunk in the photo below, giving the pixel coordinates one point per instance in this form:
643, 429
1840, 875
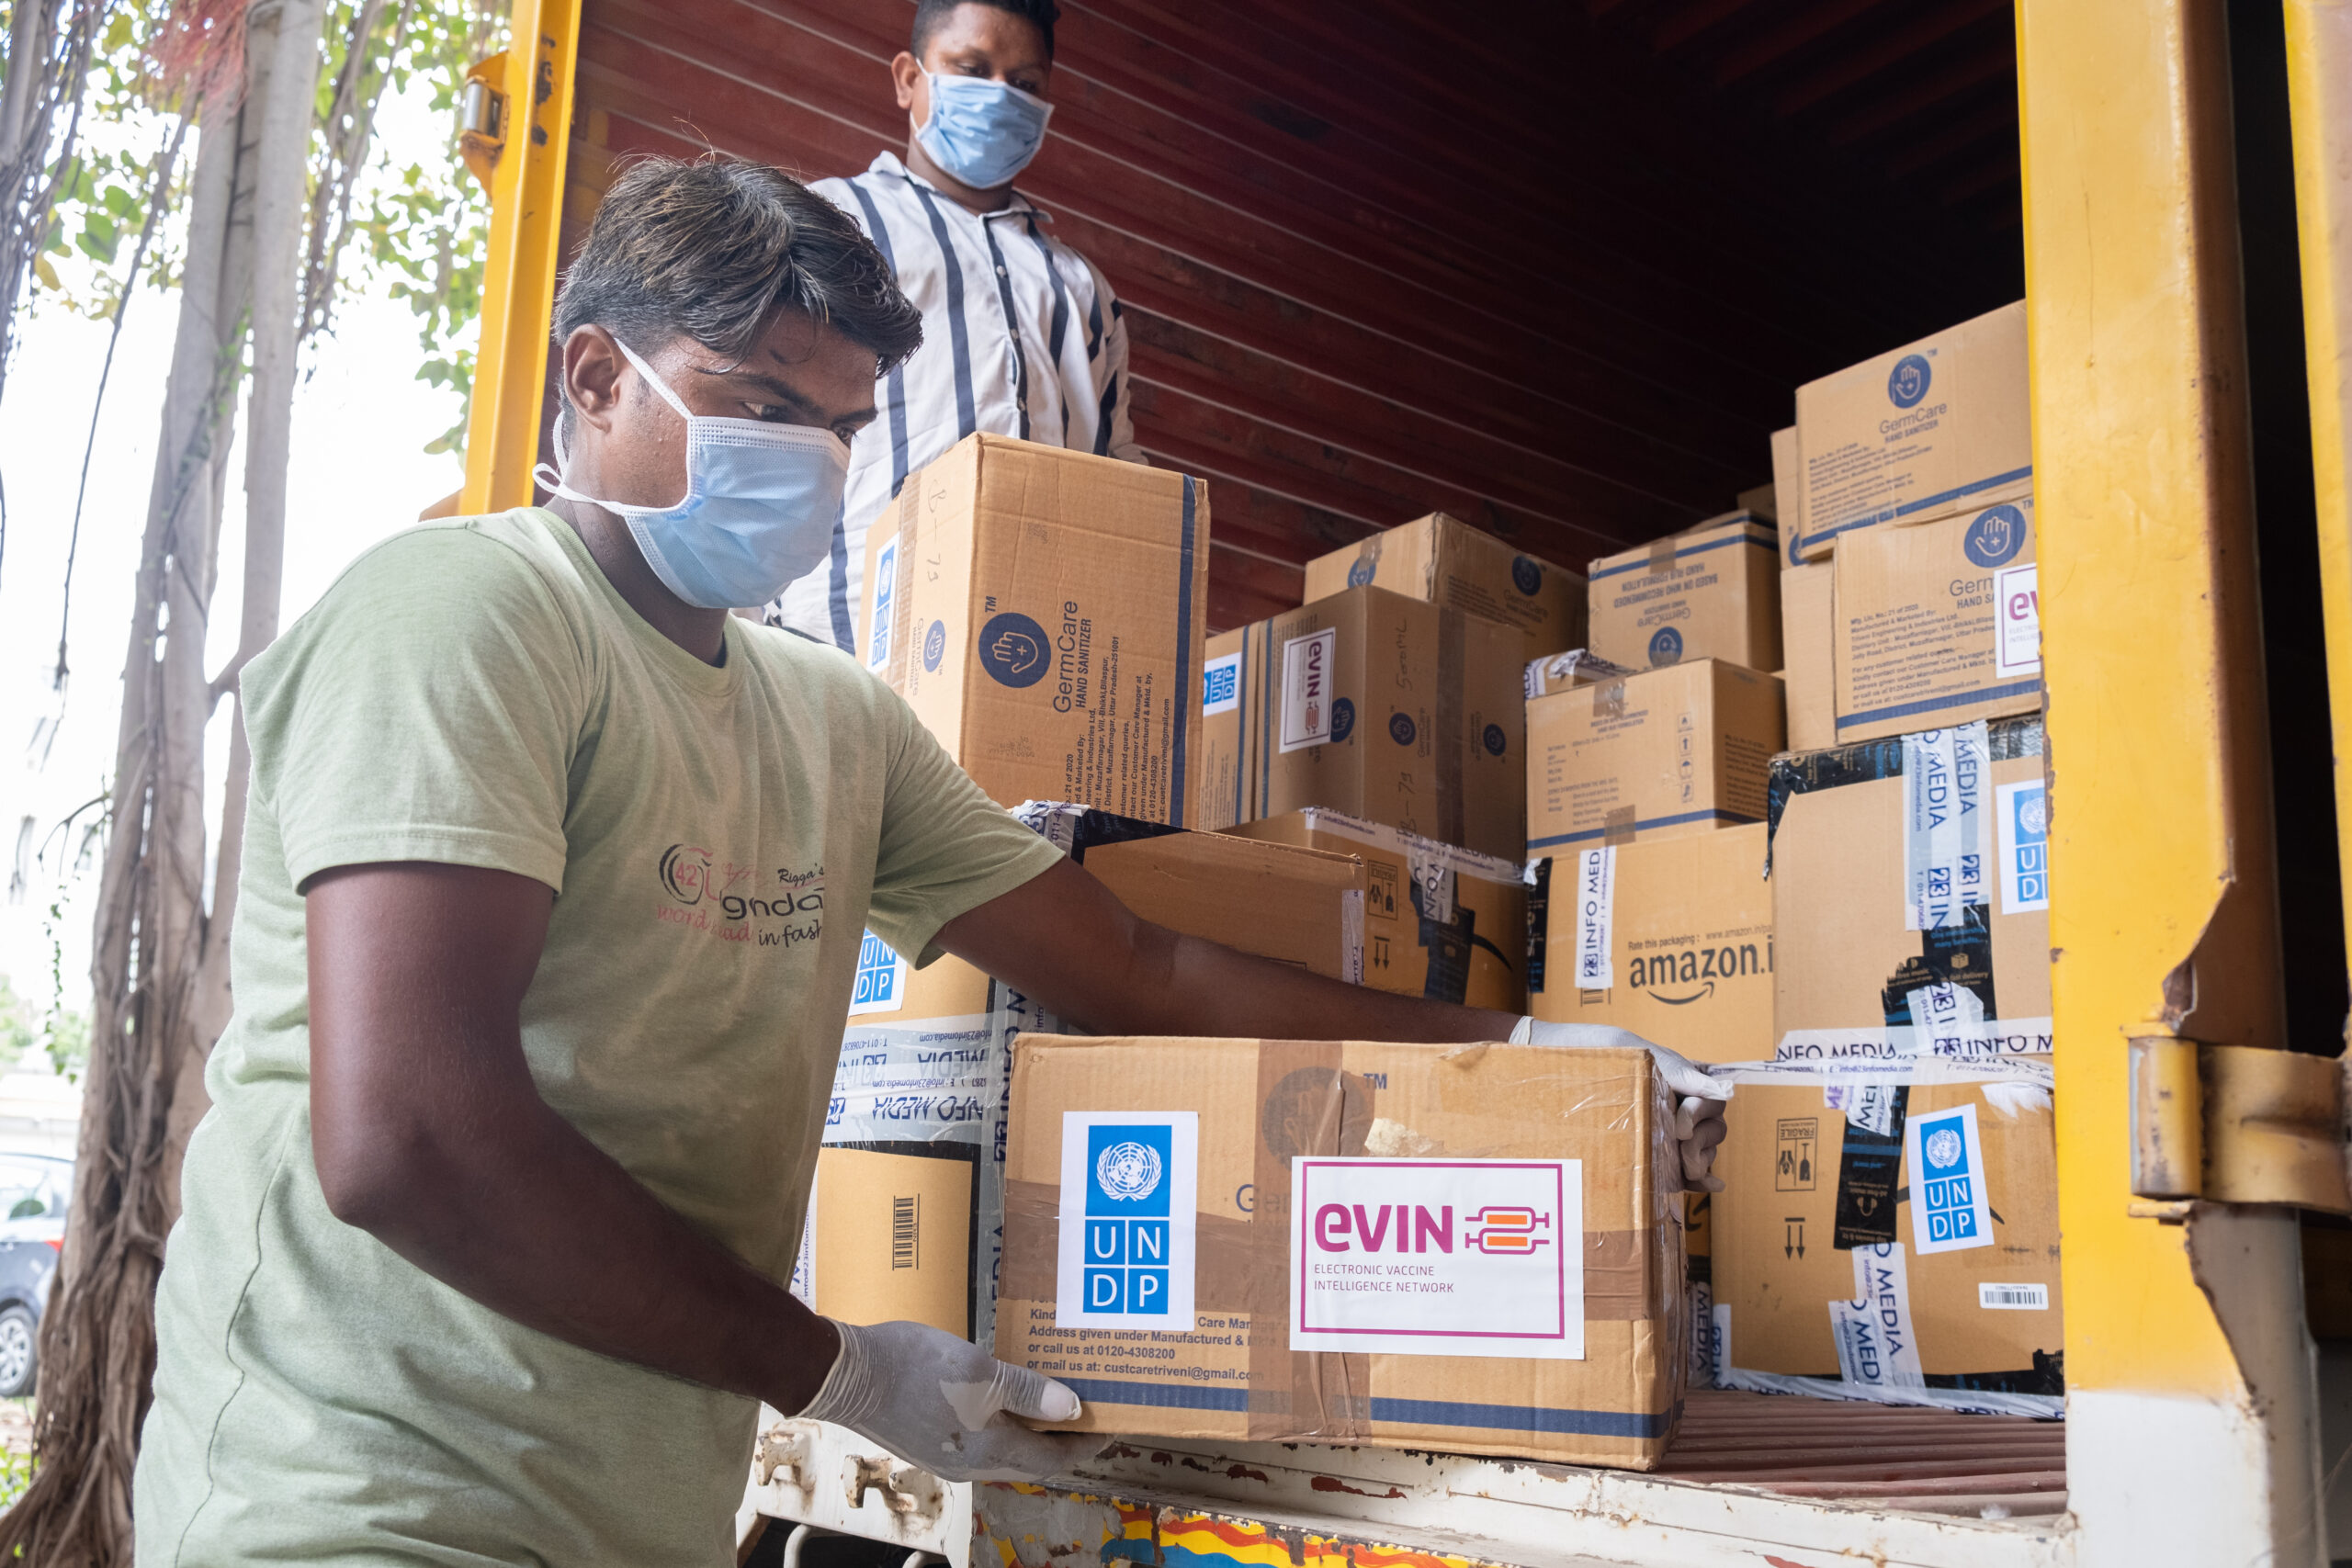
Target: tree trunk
158, 967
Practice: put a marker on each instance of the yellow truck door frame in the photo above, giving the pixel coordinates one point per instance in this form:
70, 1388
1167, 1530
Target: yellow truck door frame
2186, 1350
518, 275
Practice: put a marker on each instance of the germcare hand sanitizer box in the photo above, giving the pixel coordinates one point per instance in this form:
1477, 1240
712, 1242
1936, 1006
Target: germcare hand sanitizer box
1936, 427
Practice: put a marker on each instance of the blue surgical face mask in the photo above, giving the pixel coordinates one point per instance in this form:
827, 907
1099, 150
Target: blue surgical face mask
981, 131
760, 504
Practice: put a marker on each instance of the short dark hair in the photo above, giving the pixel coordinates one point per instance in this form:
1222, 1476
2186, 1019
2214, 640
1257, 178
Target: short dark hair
1039, 14
713, 248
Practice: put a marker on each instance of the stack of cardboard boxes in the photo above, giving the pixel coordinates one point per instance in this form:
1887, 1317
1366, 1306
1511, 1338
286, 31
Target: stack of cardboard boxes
1276, 1239
1888, 1228
1766, 792
1042, 612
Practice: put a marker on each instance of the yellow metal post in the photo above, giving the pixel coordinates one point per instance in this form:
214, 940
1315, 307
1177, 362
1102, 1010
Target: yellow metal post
518, 281
2319, 86
2180, 1338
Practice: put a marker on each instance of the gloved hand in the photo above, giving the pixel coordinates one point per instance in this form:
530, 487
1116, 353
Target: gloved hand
936, 1402
1699, 1107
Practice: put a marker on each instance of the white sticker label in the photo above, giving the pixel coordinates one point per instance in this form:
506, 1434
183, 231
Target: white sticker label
886, 583
1438, 1257
1869, 1106
1944, 773
1351, 936
1595, 893
804, 1263
881, 978
1947, 1020
1126, 1254
1221, 684
2023, 814
2017, 632
1307, 688
2005, 1295
1950, 1209
1875, 1343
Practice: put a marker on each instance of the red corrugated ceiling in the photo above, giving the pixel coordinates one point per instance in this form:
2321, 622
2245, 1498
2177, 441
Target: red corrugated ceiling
1376, 261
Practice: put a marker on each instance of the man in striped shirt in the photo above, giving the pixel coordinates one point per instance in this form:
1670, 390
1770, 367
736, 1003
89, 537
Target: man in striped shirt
1021, 335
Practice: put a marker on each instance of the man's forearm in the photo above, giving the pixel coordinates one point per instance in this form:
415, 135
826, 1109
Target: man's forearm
527, 1216
1063, 939
429, 1133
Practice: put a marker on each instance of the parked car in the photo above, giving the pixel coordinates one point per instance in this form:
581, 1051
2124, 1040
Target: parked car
34, 1192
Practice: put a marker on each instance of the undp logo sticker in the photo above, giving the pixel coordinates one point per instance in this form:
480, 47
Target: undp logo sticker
1344, 718
1526, 575
1666, 648
1907, 382
1363, 570
1951, 1208
1998, 534
1126, 1240
1400, 729
934, 646
1014, 649
1496, 740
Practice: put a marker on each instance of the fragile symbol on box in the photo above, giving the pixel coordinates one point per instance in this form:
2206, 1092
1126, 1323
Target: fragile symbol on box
1126, 1255
1438, 1257
1798, 1139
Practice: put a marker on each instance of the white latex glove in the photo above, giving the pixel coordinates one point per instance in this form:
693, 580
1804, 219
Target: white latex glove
936, 1402
1698, 1104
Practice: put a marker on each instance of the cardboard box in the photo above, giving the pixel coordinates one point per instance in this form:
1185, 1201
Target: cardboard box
1889, 1231
1808, 645
1911, 896
1448, 562
1938, 623
1763, 501
922, 1076
1683, 750
1052, 636
1228, 767
1394, 710
1788, 492
1578, 667
1182, 1246
1440, 922
1671, 939
1920, 431
1712, 591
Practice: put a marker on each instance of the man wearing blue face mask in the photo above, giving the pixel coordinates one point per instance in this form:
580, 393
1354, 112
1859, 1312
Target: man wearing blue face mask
1021, 335
555, 877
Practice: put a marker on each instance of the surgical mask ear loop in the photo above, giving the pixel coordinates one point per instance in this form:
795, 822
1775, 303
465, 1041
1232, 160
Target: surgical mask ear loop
553, 479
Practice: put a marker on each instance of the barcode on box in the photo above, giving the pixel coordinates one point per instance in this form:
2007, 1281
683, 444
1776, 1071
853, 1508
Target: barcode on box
2012, 1297
906, 1232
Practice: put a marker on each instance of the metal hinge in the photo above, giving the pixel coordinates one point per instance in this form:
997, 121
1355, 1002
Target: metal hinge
481, 117
2235, 1124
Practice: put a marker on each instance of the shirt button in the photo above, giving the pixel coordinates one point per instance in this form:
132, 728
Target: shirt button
1000, 272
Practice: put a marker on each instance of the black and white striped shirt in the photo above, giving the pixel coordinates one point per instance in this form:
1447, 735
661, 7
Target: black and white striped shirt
1021, 336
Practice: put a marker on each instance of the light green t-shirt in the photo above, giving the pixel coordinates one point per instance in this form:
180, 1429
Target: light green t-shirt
476, 692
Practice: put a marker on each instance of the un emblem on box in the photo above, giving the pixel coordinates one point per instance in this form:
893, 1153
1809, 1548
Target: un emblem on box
1128, 1191
1950, 1209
